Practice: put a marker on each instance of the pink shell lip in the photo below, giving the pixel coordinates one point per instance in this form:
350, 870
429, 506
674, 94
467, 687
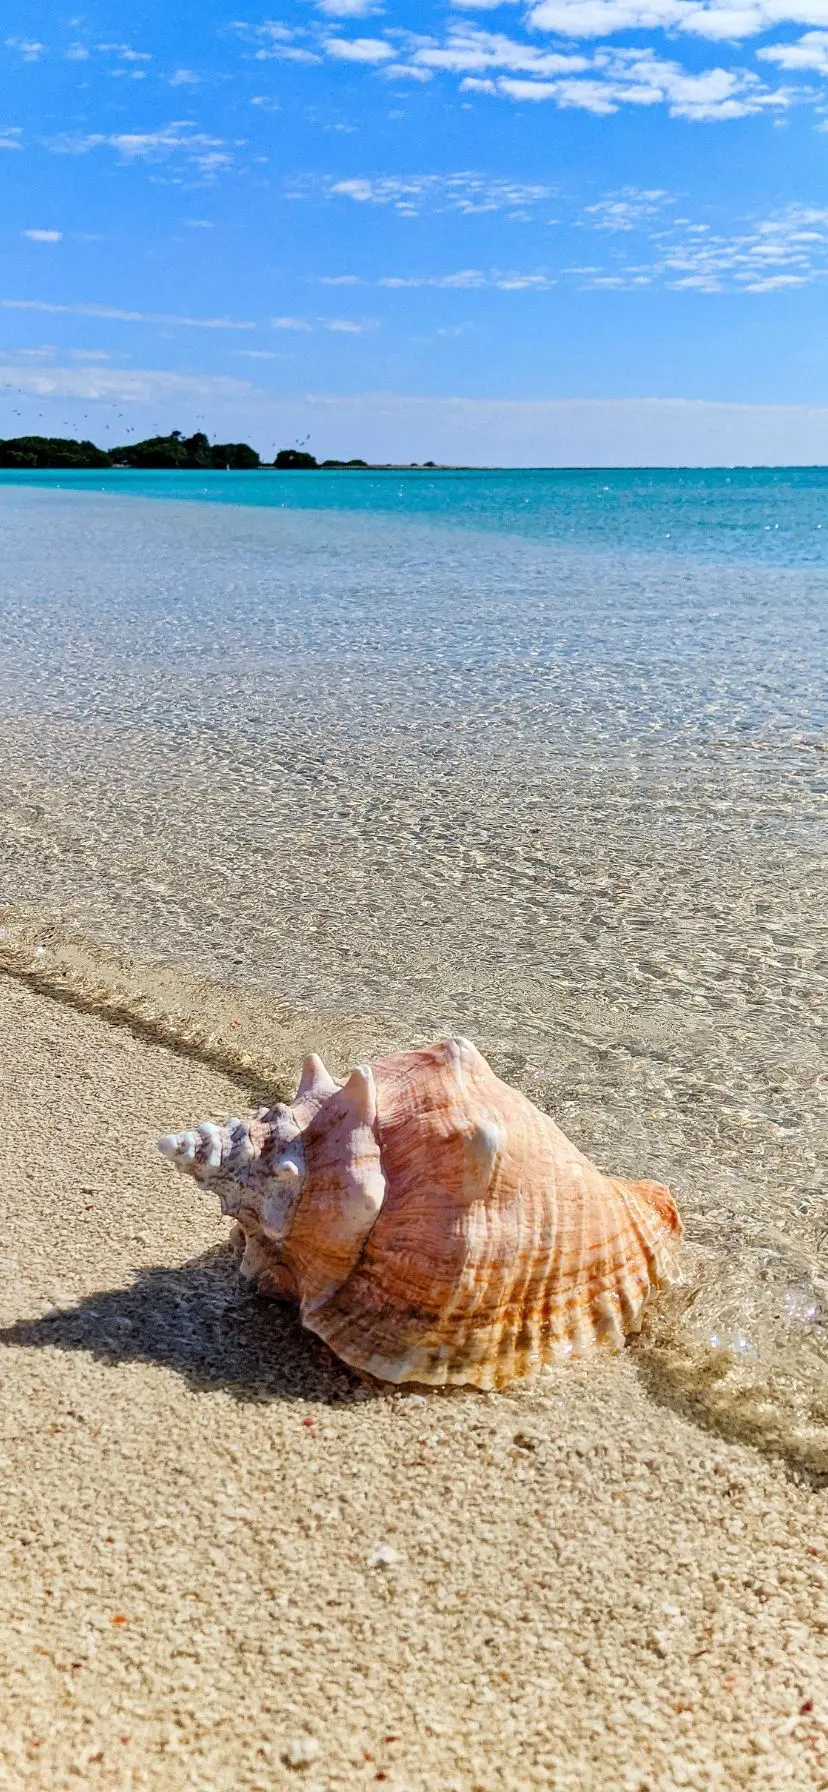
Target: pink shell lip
434, 1225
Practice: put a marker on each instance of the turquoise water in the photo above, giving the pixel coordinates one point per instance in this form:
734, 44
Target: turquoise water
777, 516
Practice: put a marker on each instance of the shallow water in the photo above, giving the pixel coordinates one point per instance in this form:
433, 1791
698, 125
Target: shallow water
566, 796
774, 516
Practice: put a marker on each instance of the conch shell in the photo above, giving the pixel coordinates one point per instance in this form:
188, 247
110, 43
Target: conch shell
433, 1224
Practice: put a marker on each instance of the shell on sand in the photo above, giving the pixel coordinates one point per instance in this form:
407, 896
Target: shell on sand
432, 1224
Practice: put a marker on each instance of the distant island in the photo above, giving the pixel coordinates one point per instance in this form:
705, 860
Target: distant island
186, 453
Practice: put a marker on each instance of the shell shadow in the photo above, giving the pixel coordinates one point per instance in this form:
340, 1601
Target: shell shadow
200, 1322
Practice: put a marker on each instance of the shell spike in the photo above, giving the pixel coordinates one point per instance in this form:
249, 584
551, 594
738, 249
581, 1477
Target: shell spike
315, 1079
360, 1095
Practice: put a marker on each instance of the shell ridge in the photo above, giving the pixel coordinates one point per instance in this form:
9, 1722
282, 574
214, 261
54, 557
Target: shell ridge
345, 1190
311, 1311
605, 1307
463, 1125
508, 1329
642, 1220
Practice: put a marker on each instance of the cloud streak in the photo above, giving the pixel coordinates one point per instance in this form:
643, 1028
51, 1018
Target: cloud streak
127, 317
111, 385
650, 244
180, 139
472, 280
465, 192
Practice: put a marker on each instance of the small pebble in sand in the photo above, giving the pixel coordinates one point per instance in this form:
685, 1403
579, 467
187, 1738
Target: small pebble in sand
301, 1751
384, 1555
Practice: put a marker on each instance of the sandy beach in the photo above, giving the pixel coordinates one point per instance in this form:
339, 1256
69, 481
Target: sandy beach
228, 1563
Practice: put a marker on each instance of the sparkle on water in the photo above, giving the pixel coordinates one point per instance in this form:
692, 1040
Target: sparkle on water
538, 758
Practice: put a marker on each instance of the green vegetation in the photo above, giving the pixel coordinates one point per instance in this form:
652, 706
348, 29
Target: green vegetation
50, 451
195, 453
294, 460
192, 452
173, 450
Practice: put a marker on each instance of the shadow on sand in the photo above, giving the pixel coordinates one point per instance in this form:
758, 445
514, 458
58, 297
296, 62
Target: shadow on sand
199, 1321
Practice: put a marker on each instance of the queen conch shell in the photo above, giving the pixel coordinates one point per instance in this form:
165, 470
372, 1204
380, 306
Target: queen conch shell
433, 1224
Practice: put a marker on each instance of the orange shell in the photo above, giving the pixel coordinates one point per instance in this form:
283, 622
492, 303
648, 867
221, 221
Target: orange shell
435, 1226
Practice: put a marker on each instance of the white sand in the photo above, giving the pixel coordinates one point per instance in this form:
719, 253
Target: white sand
584, 1591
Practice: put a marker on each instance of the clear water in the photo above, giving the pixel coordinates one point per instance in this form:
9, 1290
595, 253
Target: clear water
537, 757
776, 516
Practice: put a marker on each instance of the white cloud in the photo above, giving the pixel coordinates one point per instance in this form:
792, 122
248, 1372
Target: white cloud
627, 209
348, 9
10, 136
470, 51
44, 236
339, 280
641, 78
406, 70
125, 52
287, 53
290, 323
809, 52
126, 317
787, 250
600, 81
465, 192
359, 49
280, 42
716, 20
345, 326
111, 385
27, 47
471, 280
185, 77
776, 282
208, 154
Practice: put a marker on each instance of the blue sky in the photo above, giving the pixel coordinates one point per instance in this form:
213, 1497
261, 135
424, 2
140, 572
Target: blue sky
595, 227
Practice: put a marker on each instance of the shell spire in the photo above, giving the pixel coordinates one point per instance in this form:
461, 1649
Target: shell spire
432, 1224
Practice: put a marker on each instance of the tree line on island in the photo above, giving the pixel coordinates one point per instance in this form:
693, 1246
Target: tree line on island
188, 453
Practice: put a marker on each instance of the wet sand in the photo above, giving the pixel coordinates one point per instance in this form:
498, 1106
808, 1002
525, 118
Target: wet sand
579, 1586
